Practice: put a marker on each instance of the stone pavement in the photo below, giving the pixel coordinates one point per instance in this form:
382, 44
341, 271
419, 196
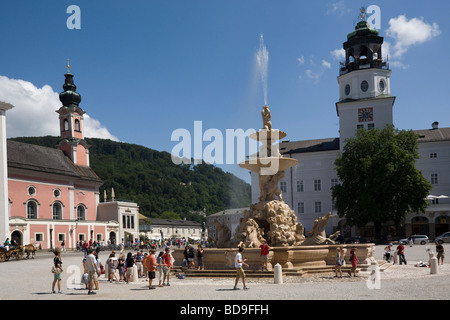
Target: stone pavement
31, 280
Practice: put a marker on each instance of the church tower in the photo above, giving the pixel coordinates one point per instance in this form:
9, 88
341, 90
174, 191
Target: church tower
72, 142
365, 99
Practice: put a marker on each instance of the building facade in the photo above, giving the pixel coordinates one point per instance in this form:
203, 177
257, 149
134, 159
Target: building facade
230, 217
365, 102
158, 228
53, 194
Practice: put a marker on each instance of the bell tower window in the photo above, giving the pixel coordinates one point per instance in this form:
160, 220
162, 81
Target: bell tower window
77, 125
66, 125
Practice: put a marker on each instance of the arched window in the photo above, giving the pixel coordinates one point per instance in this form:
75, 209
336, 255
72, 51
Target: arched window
66, 125
77, 125
32, 209
57, 211
81, 212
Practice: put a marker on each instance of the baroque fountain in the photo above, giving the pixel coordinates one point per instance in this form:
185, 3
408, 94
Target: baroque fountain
271, 219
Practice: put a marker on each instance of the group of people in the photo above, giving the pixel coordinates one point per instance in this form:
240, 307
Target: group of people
189, 257
401, 253
147, 264
340, 261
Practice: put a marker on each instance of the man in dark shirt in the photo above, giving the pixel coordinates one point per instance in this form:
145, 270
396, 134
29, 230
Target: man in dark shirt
401, 253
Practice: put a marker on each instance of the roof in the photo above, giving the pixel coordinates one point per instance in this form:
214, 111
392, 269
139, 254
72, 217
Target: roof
228, 212
47, 160
170, 222
315, 145
432, 135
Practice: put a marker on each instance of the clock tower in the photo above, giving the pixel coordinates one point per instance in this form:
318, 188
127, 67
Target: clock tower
365, 99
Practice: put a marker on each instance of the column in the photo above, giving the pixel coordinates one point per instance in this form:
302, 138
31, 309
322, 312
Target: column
4, 203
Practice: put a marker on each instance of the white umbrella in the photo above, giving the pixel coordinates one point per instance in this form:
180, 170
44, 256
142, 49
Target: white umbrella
442, 197
431, 197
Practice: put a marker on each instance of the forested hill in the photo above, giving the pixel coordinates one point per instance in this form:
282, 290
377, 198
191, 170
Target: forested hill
155, 183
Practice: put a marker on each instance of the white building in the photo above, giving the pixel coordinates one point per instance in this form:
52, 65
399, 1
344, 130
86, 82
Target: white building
126, 213
365, 101
157, 228
230, 217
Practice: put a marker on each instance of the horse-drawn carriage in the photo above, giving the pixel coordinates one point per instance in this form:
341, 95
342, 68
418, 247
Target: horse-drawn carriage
16, 252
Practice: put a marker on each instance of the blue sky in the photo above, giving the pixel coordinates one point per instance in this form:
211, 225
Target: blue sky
147, 68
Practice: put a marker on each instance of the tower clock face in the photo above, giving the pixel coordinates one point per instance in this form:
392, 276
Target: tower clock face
365, 114
364, 86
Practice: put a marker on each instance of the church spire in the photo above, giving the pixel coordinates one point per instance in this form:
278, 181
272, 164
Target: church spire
72, 141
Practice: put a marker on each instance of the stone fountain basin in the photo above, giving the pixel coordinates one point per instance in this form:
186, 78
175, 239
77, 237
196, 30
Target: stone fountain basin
288, 257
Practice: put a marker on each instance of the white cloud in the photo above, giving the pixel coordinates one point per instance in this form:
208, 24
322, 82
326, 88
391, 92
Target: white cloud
408, 33
326, 64
301, 60
314, 76
34, 111
338, 54
338, 8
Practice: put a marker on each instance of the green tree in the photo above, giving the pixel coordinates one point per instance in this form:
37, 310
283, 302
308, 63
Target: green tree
379, 181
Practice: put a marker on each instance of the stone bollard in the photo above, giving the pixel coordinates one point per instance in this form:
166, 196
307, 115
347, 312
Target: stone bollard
277, 274
106, 271
374, 280
396, 259
433, 264
135, 274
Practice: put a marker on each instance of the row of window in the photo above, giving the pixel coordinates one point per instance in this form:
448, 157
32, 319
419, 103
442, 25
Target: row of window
39, 237
317, 185
57, 210
77, 125
32, 192
317, 207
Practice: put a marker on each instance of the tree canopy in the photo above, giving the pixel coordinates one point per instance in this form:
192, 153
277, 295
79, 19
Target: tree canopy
379, 181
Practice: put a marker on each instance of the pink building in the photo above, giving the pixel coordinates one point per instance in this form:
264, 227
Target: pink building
53, 193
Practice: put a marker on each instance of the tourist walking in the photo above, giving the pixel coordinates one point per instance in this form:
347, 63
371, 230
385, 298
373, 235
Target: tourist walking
440, 252
129, 263
121, 267
387, 252
354, 261
239, 262
151, 267
138, 260
401, 253
190, 257
168, 261
160, 268
144, 266
57, 271
112, 264
338, 265
264, 254
200, 253
91, 268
